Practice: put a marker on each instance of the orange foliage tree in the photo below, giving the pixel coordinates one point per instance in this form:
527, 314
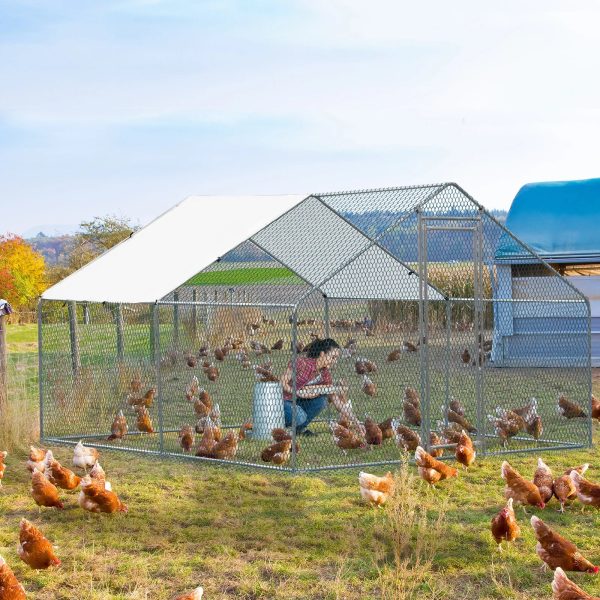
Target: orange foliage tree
22, 271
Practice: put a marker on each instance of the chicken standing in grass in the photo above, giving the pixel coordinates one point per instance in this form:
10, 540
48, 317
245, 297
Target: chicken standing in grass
43, 492
564, 488
186, 438
211, 372
394, 355
207, 443
146, 400
461, 421
35, 462
412, 396
119, 427
34, 549
505, 526
588, 493
569, 409
369, 388
97, 473
58, 475
564, 589
465, 450
192, 389
544, 481
457, 407
98, 497
278, 452
406, 438
595, 408
451, 433
387, 430
195, 595
435, 440
376, 490
431, 469
84, 457
10, 588
346, 438
226, 448
506, 423
556, 551
520, 489
412, 411
373, 433
144, 422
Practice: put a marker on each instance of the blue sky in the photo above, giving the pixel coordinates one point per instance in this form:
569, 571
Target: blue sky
128, 106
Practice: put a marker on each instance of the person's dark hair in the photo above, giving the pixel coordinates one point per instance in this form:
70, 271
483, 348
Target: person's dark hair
315, 348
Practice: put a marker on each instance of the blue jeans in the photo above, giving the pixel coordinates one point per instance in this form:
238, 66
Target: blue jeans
306, 410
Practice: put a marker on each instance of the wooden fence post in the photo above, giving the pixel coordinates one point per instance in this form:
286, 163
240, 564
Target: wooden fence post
5, 310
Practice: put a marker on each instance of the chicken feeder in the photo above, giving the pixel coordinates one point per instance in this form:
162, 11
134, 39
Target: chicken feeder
267, 413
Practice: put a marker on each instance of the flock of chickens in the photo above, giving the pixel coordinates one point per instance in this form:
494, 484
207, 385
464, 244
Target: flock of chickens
348, 431
48, 477
553, 549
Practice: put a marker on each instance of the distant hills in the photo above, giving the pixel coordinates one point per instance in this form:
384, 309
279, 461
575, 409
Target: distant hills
56, 248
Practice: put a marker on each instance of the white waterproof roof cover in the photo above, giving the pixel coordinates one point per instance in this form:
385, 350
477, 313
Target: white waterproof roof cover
168, 251
302, 232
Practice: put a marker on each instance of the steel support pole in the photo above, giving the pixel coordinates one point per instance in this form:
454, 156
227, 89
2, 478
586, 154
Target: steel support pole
40, 367
478, 259
194, 315
176, 320
422, 268
326, 316
159, 392
294, 384
448, 358
74, 337
120, 331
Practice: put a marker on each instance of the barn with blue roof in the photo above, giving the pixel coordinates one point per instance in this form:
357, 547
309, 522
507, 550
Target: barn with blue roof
559, 221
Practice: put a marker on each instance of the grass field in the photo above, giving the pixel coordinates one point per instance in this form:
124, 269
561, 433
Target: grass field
252, 535
244, 276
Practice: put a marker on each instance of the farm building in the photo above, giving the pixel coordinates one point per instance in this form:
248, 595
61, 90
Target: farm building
174, 342
558, 220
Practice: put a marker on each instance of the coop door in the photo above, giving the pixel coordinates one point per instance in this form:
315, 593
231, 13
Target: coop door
451, 316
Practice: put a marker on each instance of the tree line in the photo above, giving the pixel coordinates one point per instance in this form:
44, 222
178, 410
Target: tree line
25, 272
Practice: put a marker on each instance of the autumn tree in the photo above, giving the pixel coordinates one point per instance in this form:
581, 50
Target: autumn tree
22, 271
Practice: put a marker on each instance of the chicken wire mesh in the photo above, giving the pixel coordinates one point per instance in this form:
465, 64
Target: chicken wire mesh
444, 321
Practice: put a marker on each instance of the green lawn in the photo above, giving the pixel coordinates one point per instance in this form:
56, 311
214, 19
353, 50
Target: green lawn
250, 535
244, 276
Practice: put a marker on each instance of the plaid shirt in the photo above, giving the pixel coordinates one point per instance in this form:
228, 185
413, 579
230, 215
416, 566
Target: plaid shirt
307, 374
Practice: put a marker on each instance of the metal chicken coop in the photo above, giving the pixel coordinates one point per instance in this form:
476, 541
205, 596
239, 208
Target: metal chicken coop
404, 279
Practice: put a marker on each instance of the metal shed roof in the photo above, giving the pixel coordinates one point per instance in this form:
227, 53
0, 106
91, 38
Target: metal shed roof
559, 220
303, 233
169, 250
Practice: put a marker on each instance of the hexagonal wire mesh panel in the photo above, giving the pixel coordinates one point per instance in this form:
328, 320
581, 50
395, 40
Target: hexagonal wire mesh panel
440, 319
